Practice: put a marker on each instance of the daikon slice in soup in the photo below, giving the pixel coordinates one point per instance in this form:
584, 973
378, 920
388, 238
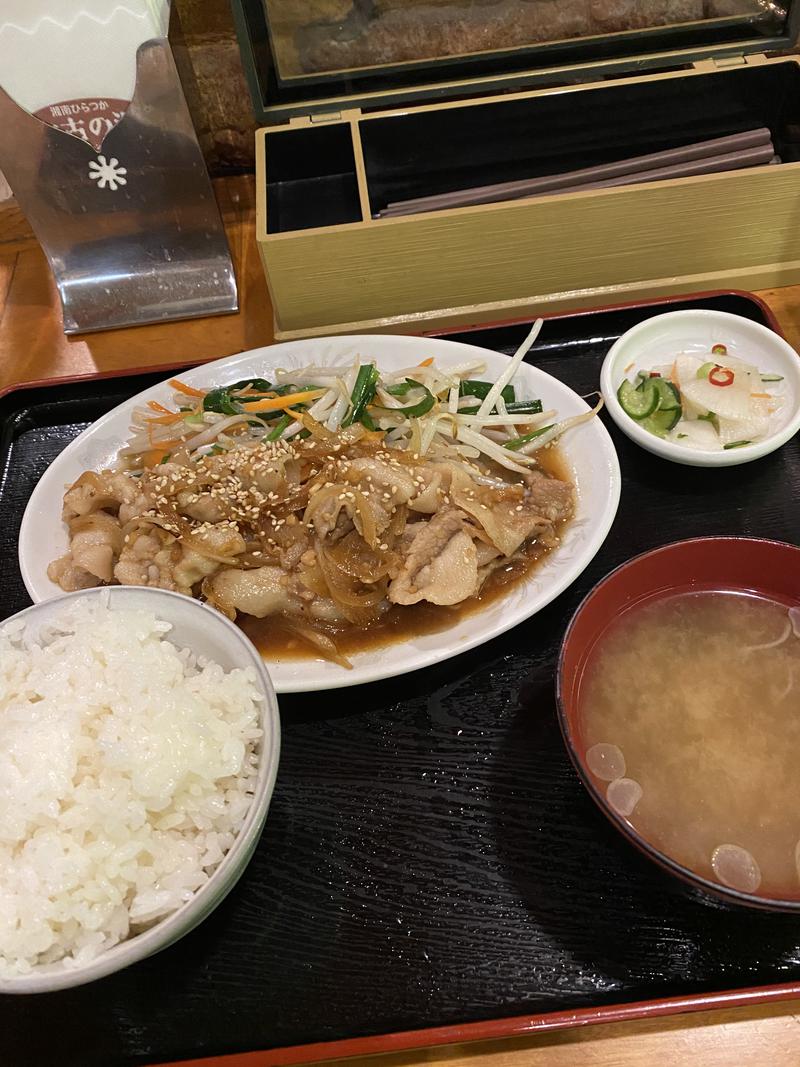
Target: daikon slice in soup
690, 721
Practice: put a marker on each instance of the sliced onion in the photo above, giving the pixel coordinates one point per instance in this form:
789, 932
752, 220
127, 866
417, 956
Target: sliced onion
341, 585
358, 506
320, 641
321, 497
165, 524
363, 511
316, 429
312, 578
351, 434
348, 554
198, 546
98, 522
102, 499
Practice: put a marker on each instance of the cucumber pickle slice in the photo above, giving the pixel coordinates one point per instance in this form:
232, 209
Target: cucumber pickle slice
638, 402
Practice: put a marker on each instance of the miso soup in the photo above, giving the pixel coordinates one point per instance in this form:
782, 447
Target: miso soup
690, 721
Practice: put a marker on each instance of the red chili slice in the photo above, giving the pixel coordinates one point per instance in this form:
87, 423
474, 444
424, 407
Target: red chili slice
721, 376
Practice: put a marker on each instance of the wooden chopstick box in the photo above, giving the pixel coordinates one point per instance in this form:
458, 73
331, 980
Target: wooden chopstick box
333, 267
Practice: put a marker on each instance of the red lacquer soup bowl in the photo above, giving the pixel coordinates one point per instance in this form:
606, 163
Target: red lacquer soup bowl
768, 569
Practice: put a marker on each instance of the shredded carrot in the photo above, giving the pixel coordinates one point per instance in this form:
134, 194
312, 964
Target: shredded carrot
155, 406
249, 391
283, 402
157, 452
154, 457
426, 362
762, 396
673, 374
629, 368
182, 387
166, 420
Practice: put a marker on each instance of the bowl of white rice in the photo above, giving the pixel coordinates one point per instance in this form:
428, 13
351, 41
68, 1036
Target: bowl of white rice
139, 743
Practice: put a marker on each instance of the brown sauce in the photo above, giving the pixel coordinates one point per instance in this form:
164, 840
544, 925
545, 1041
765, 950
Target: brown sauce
278, 641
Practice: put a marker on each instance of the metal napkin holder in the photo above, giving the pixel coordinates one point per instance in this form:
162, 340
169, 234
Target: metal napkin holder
131, 229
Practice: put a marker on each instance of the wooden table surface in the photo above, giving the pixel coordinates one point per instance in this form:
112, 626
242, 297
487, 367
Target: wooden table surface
33, 347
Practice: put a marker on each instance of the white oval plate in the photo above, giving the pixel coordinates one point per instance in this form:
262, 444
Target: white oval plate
587, 450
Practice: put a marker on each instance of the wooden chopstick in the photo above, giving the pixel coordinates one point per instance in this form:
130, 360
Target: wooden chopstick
624, 168
751, 157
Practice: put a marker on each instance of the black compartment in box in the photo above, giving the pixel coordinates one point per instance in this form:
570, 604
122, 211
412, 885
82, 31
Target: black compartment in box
311, 179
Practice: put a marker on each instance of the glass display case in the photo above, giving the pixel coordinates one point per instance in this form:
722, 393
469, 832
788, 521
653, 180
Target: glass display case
303, 56
335, 37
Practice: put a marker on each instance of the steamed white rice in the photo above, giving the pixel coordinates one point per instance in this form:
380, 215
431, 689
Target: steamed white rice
126, 770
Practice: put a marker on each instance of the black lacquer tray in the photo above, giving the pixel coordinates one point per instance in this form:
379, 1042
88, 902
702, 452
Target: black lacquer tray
430, 860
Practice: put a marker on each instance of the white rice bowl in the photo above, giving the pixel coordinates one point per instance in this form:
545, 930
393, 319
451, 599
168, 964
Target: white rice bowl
127, 769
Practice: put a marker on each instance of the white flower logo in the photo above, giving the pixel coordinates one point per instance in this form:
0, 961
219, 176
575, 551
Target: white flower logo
107, 172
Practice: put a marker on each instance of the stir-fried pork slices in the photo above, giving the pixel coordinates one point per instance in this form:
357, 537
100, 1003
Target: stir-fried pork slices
327, 496
324, 531
321, 533
441, 565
